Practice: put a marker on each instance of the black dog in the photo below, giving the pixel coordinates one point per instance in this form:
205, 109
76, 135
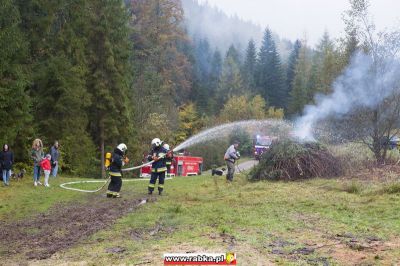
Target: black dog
218, 172
18, 176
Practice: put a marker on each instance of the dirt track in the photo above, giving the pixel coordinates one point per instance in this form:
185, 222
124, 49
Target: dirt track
62, 226
246, 165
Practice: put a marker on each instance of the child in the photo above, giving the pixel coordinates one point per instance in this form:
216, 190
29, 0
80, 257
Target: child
46, 166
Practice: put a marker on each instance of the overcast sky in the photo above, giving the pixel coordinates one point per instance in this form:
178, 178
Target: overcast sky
293, 19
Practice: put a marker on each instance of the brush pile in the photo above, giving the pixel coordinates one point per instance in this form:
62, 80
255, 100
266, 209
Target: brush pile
291, 160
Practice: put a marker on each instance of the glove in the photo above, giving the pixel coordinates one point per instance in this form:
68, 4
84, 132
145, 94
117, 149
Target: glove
126, 160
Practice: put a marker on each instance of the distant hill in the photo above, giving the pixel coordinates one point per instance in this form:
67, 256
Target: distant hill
221, 30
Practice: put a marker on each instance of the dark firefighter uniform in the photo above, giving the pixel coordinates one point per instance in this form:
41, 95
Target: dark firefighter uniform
116, 174
158, 168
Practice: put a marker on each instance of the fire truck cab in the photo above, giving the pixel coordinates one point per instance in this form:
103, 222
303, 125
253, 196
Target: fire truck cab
182, 165
261, 144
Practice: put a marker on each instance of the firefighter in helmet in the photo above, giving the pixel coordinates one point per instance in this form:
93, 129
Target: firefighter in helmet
118, 160
158, 168
168, 159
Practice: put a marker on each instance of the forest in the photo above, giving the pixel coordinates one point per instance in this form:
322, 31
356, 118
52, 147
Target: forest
94, 73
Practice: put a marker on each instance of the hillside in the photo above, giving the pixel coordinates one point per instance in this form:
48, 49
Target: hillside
206, 22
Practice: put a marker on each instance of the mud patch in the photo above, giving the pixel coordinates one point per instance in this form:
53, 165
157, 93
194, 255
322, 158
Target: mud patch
62, 226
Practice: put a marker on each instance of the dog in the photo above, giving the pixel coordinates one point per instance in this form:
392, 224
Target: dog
18, 176
218, 172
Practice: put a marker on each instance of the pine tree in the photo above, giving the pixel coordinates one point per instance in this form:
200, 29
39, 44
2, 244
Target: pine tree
230, 82
249, 66
202, 73
270, 76
234, 54
351, 45
291, 69
59, 84
301, 94
109, 79
216, 69
15, 111
326, 65
203, 61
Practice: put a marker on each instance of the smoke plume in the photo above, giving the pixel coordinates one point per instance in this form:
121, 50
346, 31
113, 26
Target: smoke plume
365, 83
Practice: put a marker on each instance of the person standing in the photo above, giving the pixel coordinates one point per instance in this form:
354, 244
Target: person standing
231, 155
37, 156
46, 166
55, 155
158, 168
118, 160
7, 161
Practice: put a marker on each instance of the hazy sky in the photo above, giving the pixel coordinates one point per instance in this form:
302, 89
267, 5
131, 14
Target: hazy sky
293, 19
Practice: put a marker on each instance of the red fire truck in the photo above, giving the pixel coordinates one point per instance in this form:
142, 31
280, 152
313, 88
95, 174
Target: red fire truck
182, 165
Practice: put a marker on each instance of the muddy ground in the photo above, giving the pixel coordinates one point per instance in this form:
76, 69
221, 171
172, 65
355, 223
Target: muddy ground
62, 226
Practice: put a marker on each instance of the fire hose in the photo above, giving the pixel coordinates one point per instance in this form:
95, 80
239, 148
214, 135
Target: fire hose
65, 185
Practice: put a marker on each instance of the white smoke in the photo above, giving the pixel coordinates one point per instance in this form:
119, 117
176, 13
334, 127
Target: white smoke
365, 83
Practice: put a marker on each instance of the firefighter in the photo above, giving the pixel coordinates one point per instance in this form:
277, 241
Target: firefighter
158, 168
118, 160
168, 159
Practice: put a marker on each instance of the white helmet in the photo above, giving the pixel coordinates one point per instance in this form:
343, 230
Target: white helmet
166, 146
122, 147
156, 142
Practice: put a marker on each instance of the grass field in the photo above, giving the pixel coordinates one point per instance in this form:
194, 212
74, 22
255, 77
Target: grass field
317, 222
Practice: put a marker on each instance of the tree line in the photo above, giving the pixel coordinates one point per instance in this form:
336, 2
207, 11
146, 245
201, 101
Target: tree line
93, 73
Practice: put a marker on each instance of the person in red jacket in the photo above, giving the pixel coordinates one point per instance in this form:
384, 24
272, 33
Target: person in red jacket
46, 166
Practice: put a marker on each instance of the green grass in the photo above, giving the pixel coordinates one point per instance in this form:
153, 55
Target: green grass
22, 199
206, 213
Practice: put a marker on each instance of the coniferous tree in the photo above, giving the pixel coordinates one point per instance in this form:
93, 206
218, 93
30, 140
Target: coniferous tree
203, 61
15, 111
234, 54
326, 65
351, 45
270, 76
109, 78
231, 82
202, 72
249, 66
301, 93
58, 39
291, 69
216, 70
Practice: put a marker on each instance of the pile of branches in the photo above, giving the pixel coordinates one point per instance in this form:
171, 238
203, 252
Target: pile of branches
291, 160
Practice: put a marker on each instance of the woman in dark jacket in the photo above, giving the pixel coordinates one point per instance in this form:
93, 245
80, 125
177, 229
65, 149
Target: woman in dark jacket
7, 161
